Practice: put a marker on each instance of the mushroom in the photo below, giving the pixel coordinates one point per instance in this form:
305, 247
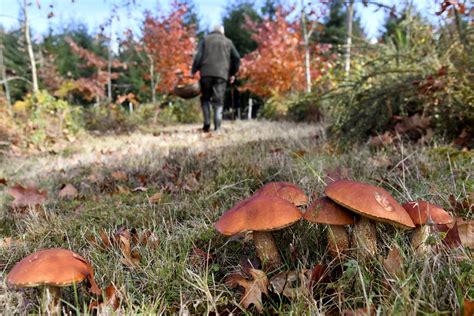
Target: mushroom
325, 211
425, 214
373, 203
285, 190
260, 214
52, 269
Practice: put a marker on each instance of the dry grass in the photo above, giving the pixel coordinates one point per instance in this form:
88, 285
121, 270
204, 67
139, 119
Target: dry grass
200, 178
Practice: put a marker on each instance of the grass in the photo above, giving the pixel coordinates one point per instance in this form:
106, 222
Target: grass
200, 178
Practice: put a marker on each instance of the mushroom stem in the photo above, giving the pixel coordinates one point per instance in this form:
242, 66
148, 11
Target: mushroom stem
338, 240
364, 238
267, 250
51, 304
418, 239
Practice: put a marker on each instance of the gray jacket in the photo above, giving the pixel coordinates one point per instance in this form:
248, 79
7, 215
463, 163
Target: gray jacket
216, 57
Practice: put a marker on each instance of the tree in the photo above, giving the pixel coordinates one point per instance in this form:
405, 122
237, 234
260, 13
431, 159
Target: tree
29, 44
170, 43
277, 67
93, 86
235, 20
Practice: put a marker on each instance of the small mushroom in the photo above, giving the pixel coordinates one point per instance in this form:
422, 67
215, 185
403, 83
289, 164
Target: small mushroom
52, 269
373, 204
425, 214
260, 214
285, 190
325, 211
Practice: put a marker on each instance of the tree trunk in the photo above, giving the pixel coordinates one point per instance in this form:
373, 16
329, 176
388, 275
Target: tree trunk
347, 54
109, 71
306, 36
152, 78
31, 54
3, 73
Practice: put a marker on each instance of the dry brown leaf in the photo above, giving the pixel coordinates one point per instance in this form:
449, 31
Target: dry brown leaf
292, 283
140, 189
8, 242
122, 189
360, 312
3, 181
113, 300
155, 198
299, 153
468, 308
253, 288
27, 197
68, 192
465, 205
394, 262
131, 258
466, 232
119, 176
381, 140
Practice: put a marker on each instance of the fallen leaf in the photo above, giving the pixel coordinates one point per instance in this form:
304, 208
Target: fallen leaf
466, 232
3, 181
122, 189
451, 238
111, 302
299, 153
381, 140
291, 283
140, 189
27, 197
131, 258
465, 205
8, 242
119, 176
68, 192
360, 312
394, 262
253, 288
155, 198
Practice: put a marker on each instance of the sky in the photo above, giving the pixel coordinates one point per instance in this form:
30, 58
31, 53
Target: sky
93, 13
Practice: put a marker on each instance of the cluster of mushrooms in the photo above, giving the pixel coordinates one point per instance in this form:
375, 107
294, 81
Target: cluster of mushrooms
275, 206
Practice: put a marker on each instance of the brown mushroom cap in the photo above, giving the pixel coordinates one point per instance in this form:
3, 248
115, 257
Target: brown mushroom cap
325, 211
54, 267
420, 211
258, 213
285, 190
369, 201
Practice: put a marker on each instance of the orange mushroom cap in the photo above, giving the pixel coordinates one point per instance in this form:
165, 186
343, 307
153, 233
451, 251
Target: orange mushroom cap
420, 211
285, 190
369, 201
54, 267
325, 211
258, 213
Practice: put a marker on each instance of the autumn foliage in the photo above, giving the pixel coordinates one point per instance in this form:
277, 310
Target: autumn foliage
277, 67
94, 86
171, 44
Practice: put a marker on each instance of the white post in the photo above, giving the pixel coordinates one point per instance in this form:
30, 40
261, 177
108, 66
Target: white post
250, 109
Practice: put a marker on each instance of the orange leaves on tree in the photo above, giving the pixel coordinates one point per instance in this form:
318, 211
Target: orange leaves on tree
171, 44
92, 87
277, 67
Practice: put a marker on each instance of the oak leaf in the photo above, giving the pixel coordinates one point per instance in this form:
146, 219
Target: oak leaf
119, 176
394, 262
253, 288
27, 197
155, 198
68, 192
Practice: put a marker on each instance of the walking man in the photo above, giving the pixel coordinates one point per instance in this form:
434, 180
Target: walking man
217, 60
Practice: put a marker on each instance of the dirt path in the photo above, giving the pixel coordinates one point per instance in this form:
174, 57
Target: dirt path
109, 150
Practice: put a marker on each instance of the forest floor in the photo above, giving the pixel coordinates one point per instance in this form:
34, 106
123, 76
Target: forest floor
144, 205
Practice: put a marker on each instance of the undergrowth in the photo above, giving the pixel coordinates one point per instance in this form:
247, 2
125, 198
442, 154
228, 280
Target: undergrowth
186, 271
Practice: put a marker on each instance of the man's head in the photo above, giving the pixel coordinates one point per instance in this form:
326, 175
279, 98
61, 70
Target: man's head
219, 28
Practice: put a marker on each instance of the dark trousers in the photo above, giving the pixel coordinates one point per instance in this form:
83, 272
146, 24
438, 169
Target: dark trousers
212, 92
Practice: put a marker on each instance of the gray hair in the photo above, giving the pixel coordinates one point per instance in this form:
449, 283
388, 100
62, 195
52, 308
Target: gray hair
218, 28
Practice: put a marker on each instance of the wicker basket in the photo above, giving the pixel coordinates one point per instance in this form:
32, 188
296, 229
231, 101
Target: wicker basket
187, 91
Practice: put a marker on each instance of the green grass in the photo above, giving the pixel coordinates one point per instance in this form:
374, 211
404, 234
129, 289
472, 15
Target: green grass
172, 278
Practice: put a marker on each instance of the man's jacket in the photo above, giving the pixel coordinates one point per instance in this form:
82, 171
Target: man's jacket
216, 57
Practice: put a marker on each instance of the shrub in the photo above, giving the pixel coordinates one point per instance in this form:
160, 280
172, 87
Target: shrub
42, 119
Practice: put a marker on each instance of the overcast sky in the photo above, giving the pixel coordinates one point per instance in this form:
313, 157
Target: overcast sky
94, 12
